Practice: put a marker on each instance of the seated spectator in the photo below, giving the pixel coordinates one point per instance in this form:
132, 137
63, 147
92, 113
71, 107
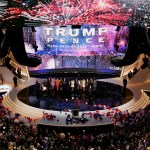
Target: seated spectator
83, 119
68, 119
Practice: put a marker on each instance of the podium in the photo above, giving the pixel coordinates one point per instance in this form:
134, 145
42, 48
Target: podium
75, 113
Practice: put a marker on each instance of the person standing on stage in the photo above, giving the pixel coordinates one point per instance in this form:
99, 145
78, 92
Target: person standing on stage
83, 84
38, 89
64, 84
91, 85
57, 84
72, 85
52, 83
61, 84
15, 81
79, 84
94, 84
124, 82
48, 85
124, 86
19, 72
44, 88
76, 85
87, 84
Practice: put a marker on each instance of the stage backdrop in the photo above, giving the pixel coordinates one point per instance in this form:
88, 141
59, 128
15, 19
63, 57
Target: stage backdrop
85, 46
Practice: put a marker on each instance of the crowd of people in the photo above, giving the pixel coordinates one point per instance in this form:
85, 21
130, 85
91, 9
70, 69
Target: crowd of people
130, 131
133, 133
66, 83
70, 90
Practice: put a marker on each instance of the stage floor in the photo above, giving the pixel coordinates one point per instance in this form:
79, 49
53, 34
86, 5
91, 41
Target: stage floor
102, 95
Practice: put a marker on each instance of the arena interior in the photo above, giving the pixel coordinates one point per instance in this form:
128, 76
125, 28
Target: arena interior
74, 75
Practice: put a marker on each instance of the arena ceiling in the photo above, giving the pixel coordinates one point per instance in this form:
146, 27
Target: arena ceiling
76, 12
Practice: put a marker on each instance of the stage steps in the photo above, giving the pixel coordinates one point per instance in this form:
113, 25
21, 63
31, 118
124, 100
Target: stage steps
133, 106
21, 108
24, 110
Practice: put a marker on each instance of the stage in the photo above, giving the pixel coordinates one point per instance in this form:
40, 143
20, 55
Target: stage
11, 101
82, 97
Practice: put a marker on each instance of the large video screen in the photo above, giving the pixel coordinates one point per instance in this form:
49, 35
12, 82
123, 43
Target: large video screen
84, 46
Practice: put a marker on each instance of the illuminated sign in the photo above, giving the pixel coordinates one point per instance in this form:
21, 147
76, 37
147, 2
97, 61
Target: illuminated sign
86, 40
